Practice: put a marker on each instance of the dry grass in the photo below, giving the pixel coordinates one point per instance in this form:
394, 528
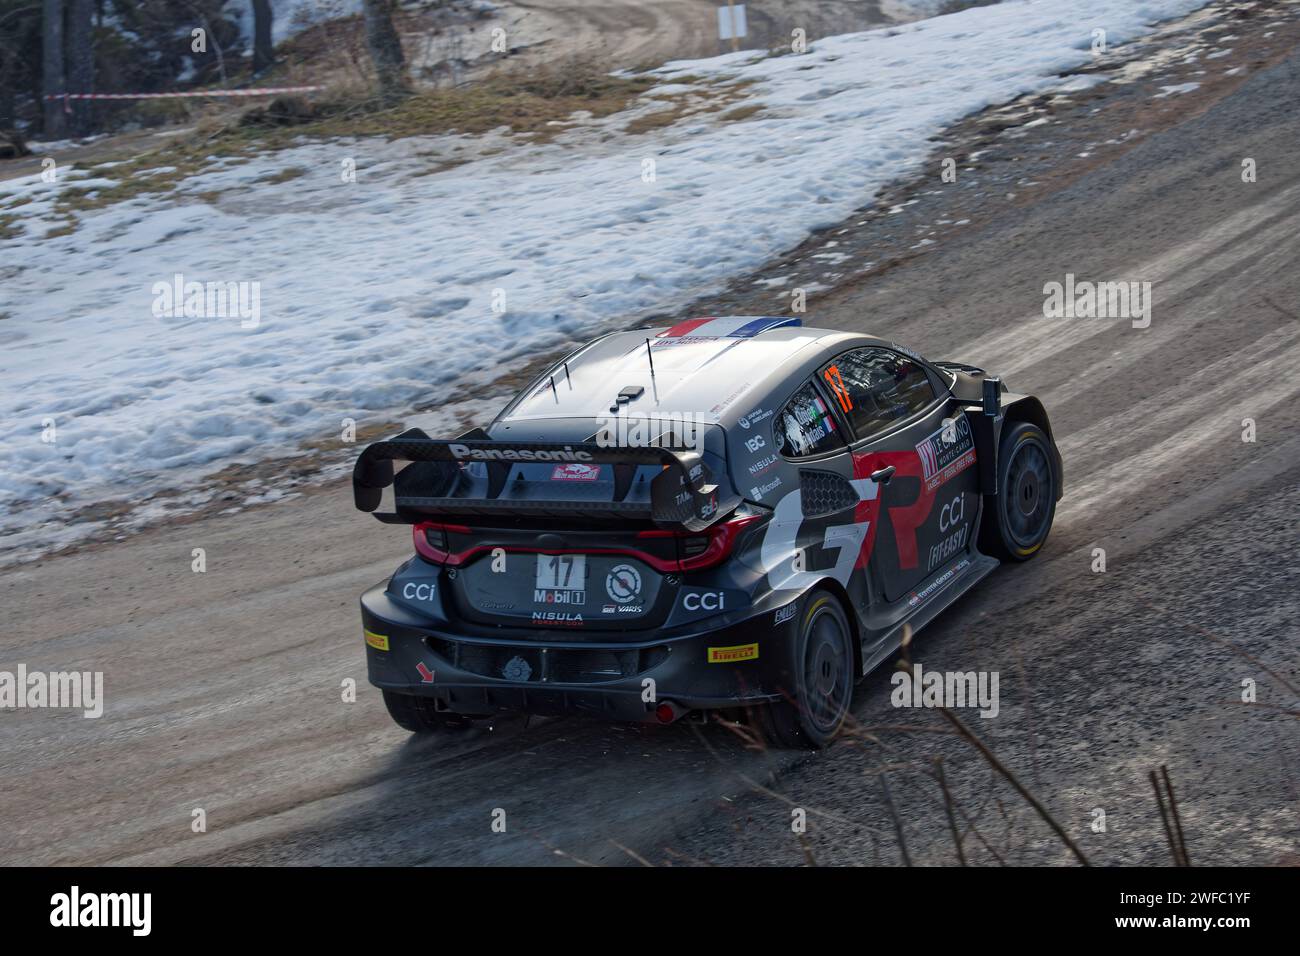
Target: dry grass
658, 119
151, 173
741, 112
284, 175
68, 228
534, 101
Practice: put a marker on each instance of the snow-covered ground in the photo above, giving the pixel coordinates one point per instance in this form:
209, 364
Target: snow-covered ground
289, 17
377, 295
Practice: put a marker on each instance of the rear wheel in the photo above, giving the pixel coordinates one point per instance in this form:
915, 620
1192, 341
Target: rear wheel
1017, 520
823, 674
419, 715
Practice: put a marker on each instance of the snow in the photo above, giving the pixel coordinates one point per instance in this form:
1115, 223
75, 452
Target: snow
289, 17
378, 296
1177, 89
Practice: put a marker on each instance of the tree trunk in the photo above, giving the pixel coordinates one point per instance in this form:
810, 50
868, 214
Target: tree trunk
385, 48
6, 105
8, 88
81, 63
263, 48
52, 66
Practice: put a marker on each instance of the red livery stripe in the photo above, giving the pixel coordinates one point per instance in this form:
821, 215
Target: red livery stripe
687, 327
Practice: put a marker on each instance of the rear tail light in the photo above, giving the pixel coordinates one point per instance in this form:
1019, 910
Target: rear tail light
699, 550
431, 540
696, 550
436, 537
694, 546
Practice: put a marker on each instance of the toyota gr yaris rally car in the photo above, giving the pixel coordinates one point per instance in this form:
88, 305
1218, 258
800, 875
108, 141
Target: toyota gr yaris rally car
727, 513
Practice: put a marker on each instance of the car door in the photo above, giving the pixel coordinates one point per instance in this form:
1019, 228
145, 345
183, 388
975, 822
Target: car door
924, 510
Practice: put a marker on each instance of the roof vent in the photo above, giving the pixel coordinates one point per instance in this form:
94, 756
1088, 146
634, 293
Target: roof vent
628, 394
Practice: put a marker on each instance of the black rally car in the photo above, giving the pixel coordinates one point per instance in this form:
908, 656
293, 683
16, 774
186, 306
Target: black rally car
726, 513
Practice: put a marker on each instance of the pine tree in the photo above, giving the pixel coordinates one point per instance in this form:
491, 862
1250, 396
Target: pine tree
52, 67
385, 48
79, 50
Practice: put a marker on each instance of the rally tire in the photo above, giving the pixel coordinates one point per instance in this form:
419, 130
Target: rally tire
419, 714
823, 675
1019, 517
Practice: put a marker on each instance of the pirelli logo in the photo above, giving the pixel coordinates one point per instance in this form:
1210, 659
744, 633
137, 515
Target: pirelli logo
729, 655
378, 641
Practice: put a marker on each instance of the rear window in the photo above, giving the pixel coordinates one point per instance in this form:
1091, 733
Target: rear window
877, 387
805, 426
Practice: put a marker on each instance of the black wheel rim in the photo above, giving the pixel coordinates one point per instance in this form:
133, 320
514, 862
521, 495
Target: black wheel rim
826, 672
1027, 502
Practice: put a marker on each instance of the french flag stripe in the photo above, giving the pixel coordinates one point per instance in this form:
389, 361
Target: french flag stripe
687, 327
750, 329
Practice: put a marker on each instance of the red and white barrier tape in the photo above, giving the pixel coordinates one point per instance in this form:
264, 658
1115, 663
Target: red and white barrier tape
263, 91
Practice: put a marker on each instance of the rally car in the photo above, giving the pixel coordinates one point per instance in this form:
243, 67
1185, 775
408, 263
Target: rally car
731, 514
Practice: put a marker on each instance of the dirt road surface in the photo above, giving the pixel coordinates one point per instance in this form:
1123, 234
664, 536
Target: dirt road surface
633, 33
225, 688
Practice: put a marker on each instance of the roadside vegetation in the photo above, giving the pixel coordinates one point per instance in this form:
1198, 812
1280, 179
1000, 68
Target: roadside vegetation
540, 103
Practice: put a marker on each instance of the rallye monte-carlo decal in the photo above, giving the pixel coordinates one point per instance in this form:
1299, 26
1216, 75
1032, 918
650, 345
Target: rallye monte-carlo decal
946, 453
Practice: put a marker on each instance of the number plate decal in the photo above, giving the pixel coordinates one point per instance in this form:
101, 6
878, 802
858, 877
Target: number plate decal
561, 579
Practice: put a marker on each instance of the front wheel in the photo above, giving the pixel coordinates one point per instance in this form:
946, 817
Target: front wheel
822, 667
1018, 518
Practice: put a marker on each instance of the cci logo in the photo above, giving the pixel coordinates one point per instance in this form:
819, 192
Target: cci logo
707, 601
952, 513
417, 592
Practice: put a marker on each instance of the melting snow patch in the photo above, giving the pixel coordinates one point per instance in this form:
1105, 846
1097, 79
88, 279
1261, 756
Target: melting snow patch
390, 292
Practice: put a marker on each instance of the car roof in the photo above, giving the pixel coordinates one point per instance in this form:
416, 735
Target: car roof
714, 367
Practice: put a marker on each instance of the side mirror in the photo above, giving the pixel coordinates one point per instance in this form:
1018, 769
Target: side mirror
992, 396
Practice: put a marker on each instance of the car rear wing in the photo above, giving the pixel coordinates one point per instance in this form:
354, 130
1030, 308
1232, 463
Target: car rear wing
683, 493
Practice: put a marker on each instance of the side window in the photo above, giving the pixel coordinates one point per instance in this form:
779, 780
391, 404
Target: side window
877, 387
806, 426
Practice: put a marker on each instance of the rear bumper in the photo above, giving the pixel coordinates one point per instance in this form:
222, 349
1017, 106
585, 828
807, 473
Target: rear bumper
565, 672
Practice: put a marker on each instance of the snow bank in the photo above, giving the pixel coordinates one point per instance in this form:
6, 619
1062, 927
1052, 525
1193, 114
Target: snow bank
379, 295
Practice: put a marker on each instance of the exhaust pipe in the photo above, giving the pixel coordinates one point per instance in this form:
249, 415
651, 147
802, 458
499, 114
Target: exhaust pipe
669, 711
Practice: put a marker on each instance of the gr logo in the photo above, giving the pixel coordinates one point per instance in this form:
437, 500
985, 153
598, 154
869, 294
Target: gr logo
953, 513
705, 601
418, 592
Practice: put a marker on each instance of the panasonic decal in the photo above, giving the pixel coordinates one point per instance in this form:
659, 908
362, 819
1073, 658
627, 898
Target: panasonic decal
517, 454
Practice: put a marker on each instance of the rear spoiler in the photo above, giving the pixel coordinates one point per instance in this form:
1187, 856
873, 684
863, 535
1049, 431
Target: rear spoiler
683, 494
